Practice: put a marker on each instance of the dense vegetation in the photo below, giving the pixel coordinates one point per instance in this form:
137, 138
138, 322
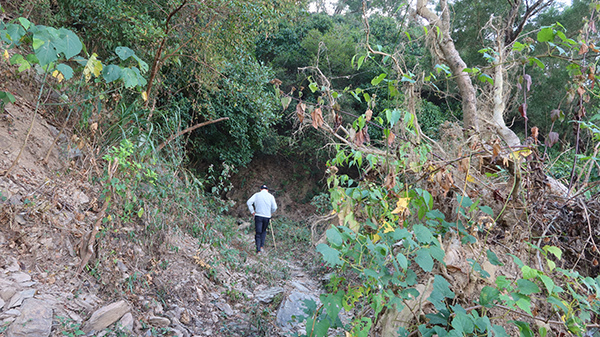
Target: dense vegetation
205, 86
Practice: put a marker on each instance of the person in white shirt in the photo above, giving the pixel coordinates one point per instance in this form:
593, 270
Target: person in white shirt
262, 204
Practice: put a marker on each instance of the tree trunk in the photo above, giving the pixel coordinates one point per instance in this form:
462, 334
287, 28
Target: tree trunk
471, 118
499, 98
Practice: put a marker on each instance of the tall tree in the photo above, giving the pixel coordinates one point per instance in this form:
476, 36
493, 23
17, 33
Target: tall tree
506, 31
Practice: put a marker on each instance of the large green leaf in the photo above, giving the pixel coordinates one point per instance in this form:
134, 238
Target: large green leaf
65, 70
424, 260
111, 73
143, 65
527, 287
124, 53
7, 97
524, 329
487, 296
44, 46
493, 258
402, 261
334, 237
463, 323
330, 255
132, 77
546, 34
72, 43
441, 290
12, 34
423, 234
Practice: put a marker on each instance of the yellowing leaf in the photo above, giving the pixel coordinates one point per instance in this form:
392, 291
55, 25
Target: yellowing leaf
6, 56
470, 178
401, 206
376, 237
92, 67
58, 75
387, 227
145, 96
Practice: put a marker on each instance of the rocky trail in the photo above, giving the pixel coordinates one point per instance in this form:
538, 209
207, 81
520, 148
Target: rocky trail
170, 283
32, 305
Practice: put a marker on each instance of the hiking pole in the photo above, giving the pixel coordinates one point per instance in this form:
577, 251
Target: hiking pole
273, 234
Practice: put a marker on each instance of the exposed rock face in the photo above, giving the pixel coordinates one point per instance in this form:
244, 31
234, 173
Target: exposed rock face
293, 306
267, 296
35, 320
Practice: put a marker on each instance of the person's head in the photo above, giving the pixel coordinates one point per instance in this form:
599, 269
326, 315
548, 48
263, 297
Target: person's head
264, 187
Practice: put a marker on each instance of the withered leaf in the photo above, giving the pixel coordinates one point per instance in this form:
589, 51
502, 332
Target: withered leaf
527, 79
365, 131
463, 165
285, 101
552, 139
337, 121
580, 91
317, 118
554, 115
523, 110
584, 49
359, 139
368, 114
300, 111
390, 181
391, 138
535, 133
496, 151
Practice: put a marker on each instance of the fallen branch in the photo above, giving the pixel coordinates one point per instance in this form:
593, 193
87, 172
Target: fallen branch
86, 249
190, 129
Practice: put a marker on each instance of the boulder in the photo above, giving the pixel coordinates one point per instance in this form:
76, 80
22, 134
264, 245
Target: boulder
35, 320
293, 306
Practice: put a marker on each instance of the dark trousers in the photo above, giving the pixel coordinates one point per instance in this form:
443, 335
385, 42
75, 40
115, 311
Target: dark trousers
261, 224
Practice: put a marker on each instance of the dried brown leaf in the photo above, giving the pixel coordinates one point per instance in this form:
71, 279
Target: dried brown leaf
359, 139
552, 139
300, 111
391, 138
337, 121
535, 133
523, 110
554, 115
390, 181
317, 118
584, 49
527, 79
368, 114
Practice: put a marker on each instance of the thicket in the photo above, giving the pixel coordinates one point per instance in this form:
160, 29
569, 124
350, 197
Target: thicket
146, 75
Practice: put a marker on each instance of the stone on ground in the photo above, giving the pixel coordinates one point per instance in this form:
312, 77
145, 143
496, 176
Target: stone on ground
35, 320
104, 317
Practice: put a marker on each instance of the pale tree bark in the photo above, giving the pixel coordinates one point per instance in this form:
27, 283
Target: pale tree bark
472, 117
499, 97
453, 59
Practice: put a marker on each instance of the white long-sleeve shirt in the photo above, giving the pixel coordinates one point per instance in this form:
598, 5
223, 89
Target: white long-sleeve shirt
262, 204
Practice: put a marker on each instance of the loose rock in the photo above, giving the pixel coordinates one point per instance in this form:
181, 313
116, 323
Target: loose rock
126, 322
104, 317
161, 322
35, 320
268, 295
